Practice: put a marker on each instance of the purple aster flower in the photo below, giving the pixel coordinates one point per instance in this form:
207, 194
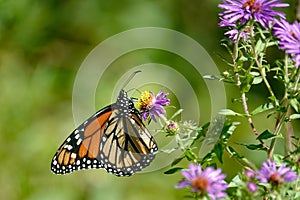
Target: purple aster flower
289, 38
252, 187
241, 11
234, 35
250, 173
151, 105
270, 173
204, 182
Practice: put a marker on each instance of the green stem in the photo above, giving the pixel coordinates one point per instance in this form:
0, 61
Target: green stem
289, 127
289, 133
243, 162
295, 89
244, 99
264, 76
284, 103
259, 63
277, 128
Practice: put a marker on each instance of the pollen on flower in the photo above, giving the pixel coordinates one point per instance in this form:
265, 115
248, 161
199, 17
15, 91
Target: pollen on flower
145, 100
200, 183
151, 105
276, 179
248, 3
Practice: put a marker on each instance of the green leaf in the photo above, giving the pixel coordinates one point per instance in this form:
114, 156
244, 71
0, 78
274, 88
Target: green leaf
219, 152
254, 73
202, 131
168, 151
245, 85
190, 155
173, 170
229, 112
235, 182
211, 77
177, 160
262, 108
227, 131
294, 116
178, 112
295, 104
257, 80
258, 147
208, 158
272, 43
273, 99
265, 135
259, 47
234, 153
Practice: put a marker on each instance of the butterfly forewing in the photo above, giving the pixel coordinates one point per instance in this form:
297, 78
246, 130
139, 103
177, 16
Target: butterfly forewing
114, 138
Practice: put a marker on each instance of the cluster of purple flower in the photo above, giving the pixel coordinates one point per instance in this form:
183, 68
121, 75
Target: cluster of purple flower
270, 173
207, 181
242, 11
239, 12
289, 38
211, 182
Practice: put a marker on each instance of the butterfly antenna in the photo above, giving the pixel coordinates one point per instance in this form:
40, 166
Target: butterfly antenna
130, 77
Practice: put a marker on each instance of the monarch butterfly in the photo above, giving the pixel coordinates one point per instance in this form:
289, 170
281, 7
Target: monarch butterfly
114, 138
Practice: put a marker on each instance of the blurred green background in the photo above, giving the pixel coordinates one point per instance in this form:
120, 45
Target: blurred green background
42, 44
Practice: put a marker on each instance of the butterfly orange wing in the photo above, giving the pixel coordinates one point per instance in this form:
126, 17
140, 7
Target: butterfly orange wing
114, 138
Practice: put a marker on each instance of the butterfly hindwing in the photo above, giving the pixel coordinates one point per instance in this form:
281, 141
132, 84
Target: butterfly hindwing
114, 138
76, 152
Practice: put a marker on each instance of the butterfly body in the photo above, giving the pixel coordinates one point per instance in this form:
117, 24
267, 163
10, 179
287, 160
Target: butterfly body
114, 138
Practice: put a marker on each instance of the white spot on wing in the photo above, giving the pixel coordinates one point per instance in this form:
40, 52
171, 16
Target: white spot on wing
79, 141
73, 155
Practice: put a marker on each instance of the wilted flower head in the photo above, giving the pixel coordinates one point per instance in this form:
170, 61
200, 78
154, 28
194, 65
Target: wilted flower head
172, 127
151, 105
289, 38
204, 182
270, 173
241, 11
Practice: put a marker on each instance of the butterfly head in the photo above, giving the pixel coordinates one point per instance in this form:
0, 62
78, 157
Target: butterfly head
124, 104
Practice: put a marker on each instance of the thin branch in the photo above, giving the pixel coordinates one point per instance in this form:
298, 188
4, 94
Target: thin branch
289, 133
244, 99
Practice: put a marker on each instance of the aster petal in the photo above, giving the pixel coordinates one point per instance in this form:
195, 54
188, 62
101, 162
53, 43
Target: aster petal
290, 176
297, 60
152, 116
182, 184
144, 115
215, 179
269, 168
250, 173
289, 38
259, 10
188, 174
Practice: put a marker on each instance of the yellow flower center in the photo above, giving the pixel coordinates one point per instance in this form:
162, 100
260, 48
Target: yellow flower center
146, 100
